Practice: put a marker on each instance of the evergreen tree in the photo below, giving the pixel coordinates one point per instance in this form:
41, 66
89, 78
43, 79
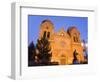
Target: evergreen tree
44, 54
31, 54
75, 57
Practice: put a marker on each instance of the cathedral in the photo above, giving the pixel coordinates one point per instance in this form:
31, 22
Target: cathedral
63, 43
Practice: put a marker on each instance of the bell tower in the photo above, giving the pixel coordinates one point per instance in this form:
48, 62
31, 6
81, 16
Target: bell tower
46, 29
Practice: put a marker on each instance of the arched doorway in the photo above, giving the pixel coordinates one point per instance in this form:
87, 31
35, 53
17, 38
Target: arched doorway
63, 60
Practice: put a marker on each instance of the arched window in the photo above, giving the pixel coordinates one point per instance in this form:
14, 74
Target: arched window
48, 35
75, 38
44, 35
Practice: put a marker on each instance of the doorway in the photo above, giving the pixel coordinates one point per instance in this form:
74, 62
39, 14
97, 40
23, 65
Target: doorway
63, 60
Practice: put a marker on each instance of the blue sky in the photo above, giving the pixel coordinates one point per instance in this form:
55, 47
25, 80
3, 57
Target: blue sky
34, 22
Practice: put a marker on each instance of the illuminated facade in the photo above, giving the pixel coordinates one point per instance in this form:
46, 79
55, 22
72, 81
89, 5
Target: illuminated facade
63, 43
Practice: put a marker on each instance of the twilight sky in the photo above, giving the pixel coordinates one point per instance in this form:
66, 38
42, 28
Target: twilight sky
34, 22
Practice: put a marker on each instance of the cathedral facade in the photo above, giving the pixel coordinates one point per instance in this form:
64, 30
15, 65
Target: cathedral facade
63, 43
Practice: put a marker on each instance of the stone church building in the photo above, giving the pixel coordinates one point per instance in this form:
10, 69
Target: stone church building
63, 43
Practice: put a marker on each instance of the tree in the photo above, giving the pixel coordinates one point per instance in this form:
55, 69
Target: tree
31, 54
44, 54
75, 57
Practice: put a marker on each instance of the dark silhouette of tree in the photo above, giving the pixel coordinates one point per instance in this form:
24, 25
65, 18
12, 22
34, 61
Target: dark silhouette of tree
44, 54
75, 57
31, 54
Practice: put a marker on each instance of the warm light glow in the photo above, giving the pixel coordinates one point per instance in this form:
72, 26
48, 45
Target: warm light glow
86, 45
82, 44
62, 34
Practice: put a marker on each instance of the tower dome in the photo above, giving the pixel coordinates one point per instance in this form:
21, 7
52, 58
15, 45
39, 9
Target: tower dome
46, 28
